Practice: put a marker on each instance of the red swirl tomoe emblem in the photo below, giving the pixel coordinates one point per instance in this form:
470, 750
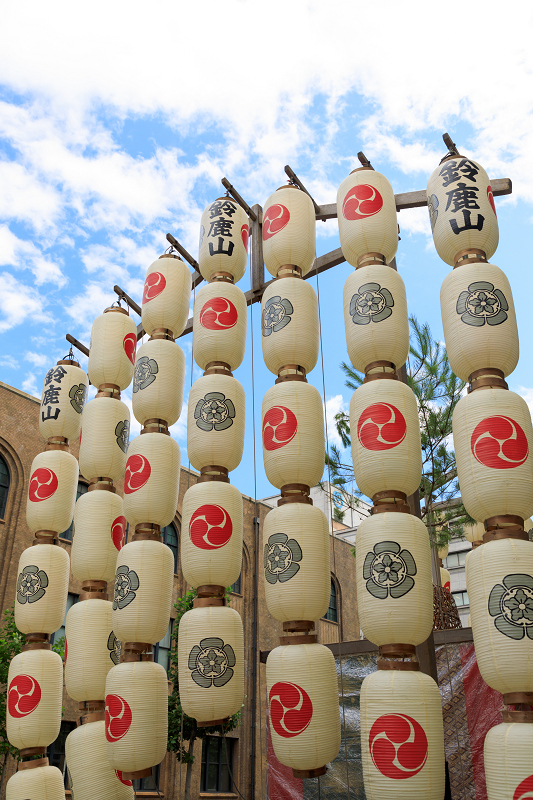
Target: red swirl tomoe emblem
23, 696
499, 443
130, 346
362, 201
291, 709
490, 197
381, 426
118, 717
218, 314
245, 233
138, 471
43, 484
118, 531
154, 284
210, 527
275, 218
279, 427
524, 790
398, 746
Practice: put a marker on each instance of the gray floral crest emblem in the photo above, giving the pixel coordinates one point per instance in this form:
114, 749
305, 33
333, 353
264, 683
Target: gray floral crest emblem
388, 570
482, 303
211, 662
214, 411
122, 432
511, 603
433, 208
145, 371
126, 585
372, 303
114, 646
281, 558
31, 584
276, 314
78, 396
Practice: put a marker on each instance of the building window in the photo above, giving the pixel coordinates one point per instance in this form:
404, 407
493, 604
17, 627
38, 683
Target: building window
170, 538
456, 559
56, 751
71, 599
162, 648
331, 613
149, 784
5, 480
217, 754
236, 587
82, 489
461, 598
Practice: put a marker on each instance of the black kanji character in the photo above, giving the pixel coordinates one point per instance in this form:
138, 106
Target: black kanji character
51, 395
221, 227
453, 171
49, 414
222, 207
54, 375
468, 226
462, 197
49, 377
220, 249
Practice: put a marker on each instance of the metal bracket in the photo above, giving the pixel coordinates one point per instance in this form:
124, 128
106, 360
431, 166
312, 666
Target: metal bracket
296, 180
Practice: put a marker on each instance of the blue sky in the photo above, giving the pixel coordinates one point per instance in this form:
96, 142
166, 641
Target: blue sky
117, 122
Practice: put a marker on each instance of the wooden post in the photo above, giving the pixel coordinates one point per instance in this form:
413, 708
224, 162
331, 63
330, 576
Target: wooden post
258, 264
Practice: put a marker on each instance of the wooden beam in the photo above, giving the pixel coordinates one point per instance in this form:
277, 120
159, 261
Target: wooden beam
295, 179
258, 264
236, 196
132, 304
81, 347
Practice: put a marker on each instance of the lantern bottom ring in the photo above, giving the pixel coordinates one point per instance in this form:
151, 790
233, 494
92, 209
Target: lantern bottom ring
218, 368
45, 537
514, 698
298, 625
397, 650
26, 752
213, 472
517, 716
289, 270
227, 277
208, 602
398, 666
310, 773
51, 445
211, 590
469, 256
101, 484
155, 426
308, 638
34, 763
140, 773
212, 723
162, 333
369, 259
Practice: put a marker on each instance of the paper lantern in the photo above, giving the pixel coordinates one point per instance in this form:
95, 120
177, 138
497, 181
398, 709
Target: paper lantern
499, 581
385, 438
296, 546
42, 588
375, 317
508, 757
211, 663
402, 739
293, 434
289, 230
303, 701
479, 320
211, 534
393, 579
445, 579
64, 394
224, 235
474, 533
91, 774
219, 325
143, 591
215, 422
104, 439
136, 715
113, 345
158, 381
443, 551
461, 209
167, 295
289, 324
493, 441
52, 491
88, 630
34, 693
100, 529
367, 216
151, 479
39, 783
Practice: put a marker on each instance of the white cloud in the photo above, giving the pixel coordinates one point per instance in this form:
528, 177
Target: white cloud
37, 359
9, 361
23, 254
18, 302
527, 394
29, 385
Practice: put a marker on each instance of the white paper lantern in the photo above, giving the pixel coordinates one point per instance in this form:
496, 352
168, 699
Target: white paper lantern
100, 528
303, 701
151, 479
211, 534
215, 422
367, 216
474, 533
289, 230
64, 394
219, 325
375, 317
167, 295
508, 757
88, 660
293, 434
211, 663
158, 381
461, 209
104, 439
445, 579
89, 770
112, 351
42, 588
224, 232
289, 324
34, 692
39, 783
143, 591
443, 551
385, 438
402, 739
493, 441
52, 491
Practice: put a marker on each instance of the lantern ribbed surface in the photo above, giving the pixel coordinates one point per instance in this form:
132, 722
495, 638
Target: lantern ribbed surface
499, 581
367, 216
296, 562
289, 230
52, 491
445, 579
34, 693
167, 295
143, 591
303, 704
508, 757
88, 630
64, 394
479, 319
375, 317
100, 528
104, 439
474, 533
158, 381
293, 434
215, 422
402, 739
393, 579
223, 245
42, 587
112, 351
136, 715
385, 438
493, 441
461, 209
211, 534
219, 325
90, 772
151, 479
39, 783
289, 324
211, 663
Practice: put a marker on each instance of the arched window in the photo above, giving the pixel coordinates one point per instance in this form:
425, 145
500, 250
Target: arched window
82, 489
331, 613
5, 480
170, 538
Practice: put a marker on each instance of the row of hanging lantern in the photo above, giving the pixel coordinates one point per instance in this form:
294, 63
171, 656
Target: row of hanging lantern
493, 439
300, 674
401, 719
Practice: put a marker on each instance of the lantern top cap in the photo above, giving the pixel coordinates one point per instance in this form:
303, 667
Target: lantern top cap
169, 255
116, 309
360, 169
71, 362
289, 186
